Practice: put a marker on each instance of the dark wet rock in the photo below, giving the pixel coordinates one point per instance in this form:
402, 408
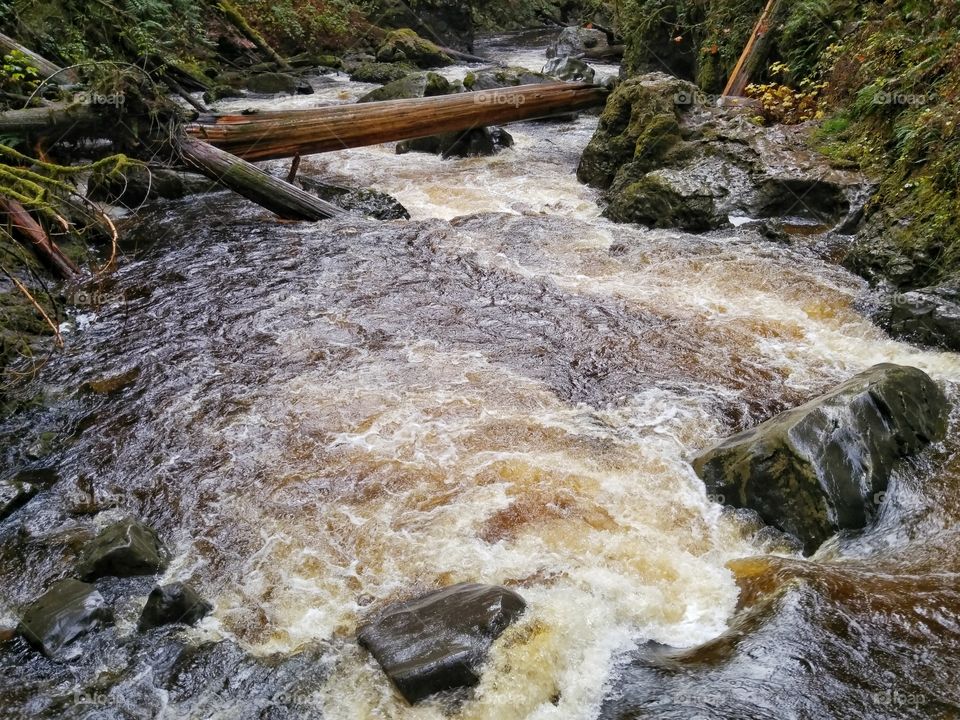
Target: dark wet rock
380, 73
930, 316
66, 611
365, 201
666, 156
173, 603
405, 46
578, 40
417, 85
220, 92
447, 22
500, 78
439, 641
476, 142
14, 494
112, 383
272, 83
819, 468
137, 184
567, 68
124, 549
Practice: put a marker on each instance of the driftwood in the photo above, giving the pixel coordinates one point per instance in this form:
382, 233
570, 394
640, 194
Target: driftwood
24, 225
758, 48
272, 135
57, 74
286, 200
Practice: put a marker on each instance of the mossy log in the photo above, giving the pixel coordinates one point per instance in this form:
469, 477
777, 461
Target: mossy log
265, 136
755, 54
286, 200
237, 19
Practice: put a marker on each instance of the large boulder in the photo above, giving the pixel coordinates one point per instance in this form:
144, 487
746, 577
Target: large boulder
820, 468
439, 641
405, 46
173, 603
66, 611
472, 143
668, 157
417, 85
577, 41
448, 22
124, 549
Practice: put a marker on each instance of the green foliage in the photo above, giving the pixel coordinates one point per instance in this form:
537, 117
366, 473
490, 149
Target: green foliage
292, 26
17, 75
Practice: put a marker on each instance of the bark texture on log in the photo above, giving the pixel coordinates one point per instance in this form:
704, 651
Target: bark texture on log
237, 19
56, 118
286, 200
23, 224
758, 49
266, 136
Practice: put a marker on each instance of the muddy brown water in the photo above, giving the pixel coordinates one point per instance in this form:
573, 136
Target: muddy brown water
322, 418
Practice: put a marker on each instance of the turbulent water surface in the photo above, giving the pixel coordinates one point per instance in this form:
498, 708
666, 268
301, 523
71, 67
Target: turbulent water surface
322, 418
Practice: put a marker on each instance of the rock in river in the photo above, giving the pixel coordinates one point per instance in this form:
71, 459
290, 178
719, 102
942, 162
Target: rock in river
66, 611
440, 640
818, 468
173, 603
124, 549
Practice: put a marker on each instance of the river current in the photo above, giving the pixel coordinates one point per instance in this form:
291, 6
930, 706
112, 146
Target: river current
507, 388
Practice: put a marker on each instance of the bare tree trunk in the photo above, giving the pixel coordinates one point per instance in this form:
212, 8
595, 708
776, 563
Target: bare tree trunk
237, 19
758, 48
286, 200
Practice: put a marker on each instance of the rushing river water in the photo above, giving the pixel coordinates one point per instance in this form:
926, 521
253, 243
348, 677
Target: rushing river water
322, 418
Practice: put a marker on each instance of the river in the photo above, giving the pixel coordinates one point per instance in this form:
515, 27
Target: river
507, 388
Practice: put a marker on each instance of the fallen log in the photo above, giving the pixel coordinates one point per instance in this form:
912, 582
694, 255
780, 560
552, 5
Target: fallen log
287, 201
758, 48
60, 117
266, 136
57, 74
24, 225
236, 18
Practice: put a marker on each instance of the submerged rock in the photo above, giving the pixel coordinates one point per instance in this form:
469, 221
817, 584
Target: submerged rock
819, 468
668, 157
417, 85
578, 40
439, 641
405, 45
475, 142
173, 603
66, 611
568, 68
125, 549
371, 203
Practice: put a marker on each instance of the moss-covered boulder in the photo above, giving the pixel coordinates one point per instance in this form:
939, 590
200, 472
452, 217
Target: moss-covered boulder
656, 201
380, 73
273, 83
821, 468
575, 41
405, 46
568, 68
126, 548
66, 611
418, 85
138, 183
